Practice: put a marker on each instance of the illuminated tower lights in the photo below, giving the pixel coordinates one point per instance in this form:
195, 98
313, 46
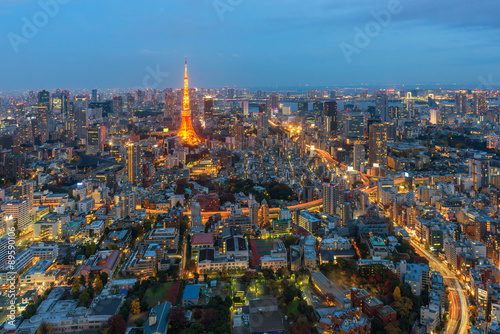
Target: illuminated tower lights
186, 131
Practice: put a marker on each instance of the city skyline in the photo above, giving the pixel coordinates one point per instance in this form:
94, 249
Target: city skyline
249, 44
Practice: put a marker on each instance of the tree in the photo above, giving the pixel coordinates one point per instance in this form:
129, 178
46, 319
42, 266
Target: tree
76, 286
397, 293
98, 284
136, 306
223, 273
104, 278
116, 324
44, 328
84, 297
177, 317
29, 311
198, 313
403, 306
210, 316
271, 284
83, 281
391, 329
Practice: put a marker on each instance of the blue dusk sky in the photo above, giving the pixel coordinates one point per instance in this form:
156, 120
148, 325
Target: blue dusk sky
248, 43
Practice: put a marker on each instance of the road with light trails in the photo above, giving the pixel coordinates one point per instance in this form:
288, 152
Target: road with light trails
459, 309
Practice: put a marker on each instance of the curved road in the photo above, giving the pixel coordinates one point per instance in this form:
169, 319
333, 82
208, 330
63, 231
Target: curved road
459, 309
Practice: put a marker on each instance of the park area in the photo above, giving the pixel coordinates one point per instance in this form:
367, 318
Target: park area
160, 292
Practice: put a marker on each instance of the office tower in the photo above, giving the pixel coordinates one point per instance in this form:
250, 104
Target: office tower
479, 170
20, 212
435, 116
245, 107
94, 95
480, 103
382, 106
60, 101
262, 125
93, 140
303, 106
42, 124
186, 131
264, 213
254, 214
345, 213
377, 145
318, 108
169, 102
239, 133
130, 104
44, 99
69, 122
208, 107
273, 103
25, 133
26, 190
118, 105
330, 111
358, 156
354, 125
460, 103
32, 99
332, 196
81, 116
134, 163
15, 166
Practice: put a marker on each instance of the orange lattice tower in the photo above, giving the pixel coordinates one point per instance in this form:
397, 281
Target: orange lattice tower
186, 131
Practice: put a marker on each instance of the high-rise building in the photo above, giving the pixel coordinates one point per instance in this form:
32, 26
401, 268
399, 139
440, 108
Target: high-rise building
44, 99
245, 107
332, 196
20, 212
273, 103
60, 102
81, 113
93, 139
118, 104
377, 145
479, 171
262, 125
26, 190
382, 106
42, 124
25, 133
134, 163
480, 103
303, 106
358, 156
94, 95
460, 103
264, 213
186, 131
15, 166
130, 104
330, 111
208, 107
254, 213
354, 125
435, 116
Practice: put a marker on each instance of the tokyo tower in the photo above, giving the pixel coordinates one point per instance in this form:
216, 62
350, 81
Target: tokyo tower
186, 131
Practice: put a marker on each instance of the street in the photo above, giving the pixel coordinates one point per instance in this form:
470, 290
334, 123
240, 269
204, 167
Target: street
459, 309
